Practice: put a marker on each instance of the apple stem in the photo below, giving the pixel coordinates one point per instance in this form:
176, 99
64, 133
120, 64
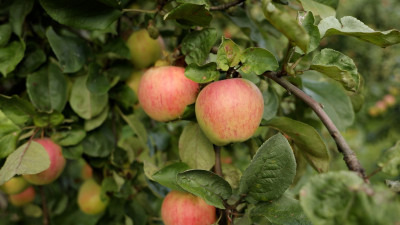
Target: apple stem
218, 167
349, 156
226, 6
44, 206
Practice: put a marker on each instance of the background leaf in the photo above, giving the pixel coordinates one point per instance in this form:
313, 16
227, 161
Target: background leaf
258, 60
18, 11
390, 160
17, 109
197, 45
318, 8
10, 56
5, 34
167, 175
190, 15
9, 133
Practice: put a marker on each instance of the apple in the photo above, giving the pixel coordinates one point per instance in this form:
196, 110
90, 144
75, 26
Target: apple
144, 50
181, 208
134, 80
229, 110
390, 100
381, 106
14, 186
87, 171
89, 199
25, 197
57, 164
164, 92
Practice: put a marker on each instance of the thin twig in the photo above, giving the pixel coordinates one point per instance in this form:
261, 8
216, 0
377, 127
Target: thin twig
44, 206
349, 156
140, 10
374, 172
218, 167
226, 6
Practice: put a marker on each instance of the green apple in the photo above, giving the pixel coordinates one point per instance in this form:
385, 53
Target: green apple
25, 197
229, 110
89, 198
14, 186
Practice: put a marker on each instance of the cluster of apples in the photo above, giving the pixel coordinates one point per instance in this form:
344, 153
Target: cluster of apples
227, 111
382, 105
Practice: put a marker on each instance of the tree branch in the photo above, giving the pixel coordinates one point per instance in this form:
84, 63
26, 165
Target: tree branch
44, 207
218, 167
349, 156
226, 6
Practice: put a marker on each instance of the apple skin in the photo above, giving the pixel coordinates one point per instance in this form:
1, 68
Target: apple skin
144, 50
229, 110
57, 164
181, 208
164, 92
87, 171
89, 200
25, 197
14, 186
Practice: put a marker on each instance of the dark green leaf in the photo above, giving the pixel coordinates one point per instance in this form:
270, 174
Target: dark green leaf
190, 15
258, 60
73, 152
70, 50
307, 20
89, 14
5, 34
318, 8
195, 149
351, 26
43, 119
390, 161
207, 185
47, 89
83, 102
197, 2
202, 74
96, 121
307, 140
10, 56
197, 45
9, 133
29, 158
99, 143
18, 11
137, 127
33, 59
18, 110
228, 54
283, 21
117, 48
97, 83
118, 4
167, 175
271, 102
285, 210
332, 97
69, 137
124, 96
337, 66
271, 171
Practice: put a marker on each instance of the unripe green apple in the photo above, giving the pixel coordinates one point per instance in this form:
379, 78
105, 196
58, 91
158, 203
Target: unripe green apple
14, 186
229, 110
23, 198
144, 50
134, 80
181, 208
164, 92
57, 164
89, 199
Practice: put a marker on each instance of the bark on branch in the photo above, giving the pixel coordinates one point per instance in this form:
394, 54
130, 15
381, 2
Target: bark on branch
349, 156
225, 6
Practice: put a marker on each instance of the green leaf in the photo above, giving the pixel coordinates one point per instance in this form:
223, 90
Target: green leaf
96, 121
284, 210
394, 185
197, 2
271, 171
390, 160
5, 34
10, 56
336, 198
9, 133
350, 26
83, 102
99, 143
195, 149
97, 83
18, 11
332, 96
47, 89
117, 48
202, 74
69, 137
167, 175
73, 152
190, 15
43, 119
271, 102
33, 59
318, 8
207, 185
228, 54
197, 45
89, 14
258, 60
337, 66
307, 21
70, 50
307, 140
18, 110
137, 126
283, 21
29, 158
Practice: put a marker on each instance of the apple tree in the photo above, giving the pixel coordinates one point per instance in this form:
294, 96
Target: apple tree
233, 111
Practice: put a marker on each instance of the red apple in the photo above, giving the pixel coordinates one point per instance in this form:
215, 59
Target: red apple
87, 171
390, 100
181, 208
89, 199
145, 51
229, 110
14, 186
23, 198
164, 92
57, 164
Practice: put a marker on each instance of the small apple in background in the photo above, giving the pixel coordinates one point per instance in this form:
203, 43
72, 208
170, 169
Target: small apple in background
57, 164
181, 208
14, 186
134, 80
25, 197
164, 92
87, 171
145, 51
390, 100
229, 110
89, 199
